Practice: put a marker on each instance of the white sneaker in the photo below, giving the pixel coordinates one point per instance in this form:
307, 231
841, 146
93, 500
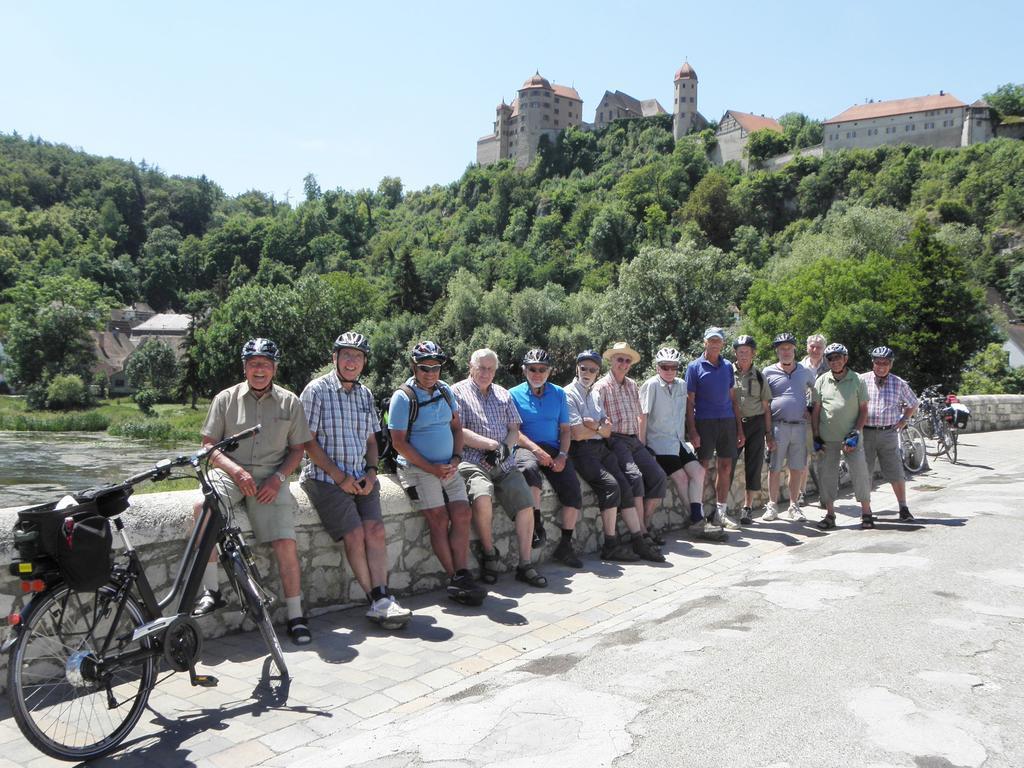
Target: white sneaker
771, 512
730, 522
388, 613
793, 514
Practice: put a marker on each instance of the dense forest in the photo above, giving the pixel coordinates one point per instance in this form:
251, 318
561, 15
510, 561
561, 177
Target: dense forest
619, 233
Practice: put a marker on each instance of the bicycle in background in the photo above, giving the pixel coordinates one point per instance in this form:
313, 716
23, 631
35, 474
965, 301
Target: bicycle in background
86, 649
938, 423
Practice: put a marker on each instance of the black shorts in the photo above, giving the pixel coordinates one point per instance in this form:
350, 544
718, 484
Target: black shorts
565, 483
672, 464
717, 436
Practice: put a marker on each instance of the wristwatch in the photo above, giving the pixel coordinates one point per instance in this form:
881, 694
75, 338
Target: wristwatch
562, 454
281, 476
371, 466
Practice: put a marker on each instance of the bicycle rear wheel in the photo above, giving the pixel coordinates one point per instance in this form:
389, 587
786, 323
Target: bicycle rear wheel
255, 601
953, 441
912, 450
76, 682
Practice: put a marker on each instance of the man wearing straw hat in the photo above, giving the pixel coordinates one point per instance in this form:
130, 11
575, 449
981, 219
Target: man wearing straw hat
620, 398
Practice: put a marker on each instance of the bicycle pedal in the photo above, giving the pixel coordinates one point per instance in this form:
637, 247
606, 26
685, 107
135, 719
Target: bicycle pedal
203, 681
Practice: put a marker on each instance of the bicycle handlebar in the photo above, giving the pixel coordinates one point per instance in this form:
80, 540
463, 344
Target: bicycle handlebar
163, 468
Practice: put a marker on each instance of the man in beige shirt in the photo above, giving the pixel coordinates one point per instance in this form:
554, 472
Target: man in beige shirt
257, 471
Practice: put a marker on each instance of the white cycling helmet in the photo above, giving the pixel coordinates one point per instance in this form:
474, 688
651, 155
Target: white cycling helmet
668, 355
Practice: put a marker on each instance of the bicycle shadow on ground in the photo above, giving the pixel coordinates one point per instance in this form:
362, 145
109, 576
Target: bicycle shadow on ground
166, 746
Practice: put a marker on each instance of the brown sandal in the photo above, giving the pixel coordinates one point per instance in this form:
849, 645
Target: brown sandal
529, 574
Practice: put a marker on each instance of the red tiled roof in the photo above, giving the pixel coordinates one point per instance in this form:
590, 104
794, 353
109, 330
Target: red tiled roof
896, 107
686, 72
751, 123
566, 92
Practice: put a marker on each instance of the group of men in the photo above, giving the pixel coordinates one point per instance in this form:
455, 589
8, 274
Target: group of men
461, 447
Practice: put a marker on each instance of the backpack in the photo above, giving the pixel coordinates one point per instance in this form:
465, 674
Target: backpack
385, 446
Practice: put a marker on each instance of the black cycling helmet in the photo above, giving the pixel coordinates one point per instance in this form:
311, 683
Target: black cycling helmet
537, 357
260, 347
883, 353
836, 349
589, 354
744, 341
352, 340
784, 338
428, 350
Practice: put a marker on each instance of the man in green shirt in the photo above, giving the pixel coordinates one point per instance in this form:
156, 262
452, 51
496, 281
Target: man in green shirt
840, 411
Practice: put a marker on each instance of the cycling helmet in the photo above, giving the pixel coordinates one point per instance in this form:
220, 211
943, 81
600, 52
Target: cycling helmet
428, 350
537, 357
836, 349
784, 338
744, 341
260, 348
589, 354
668, 355
883, 353
352, 340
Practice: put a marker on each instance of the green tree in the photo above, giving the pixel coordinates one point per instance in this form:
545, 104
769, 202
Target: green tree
764, 144
711, 209
1007, 99
153, 366
989, 373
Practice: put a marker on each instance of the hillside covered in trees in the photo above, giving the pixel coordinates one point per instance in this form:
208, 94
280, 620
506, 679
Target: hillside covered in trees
621, 233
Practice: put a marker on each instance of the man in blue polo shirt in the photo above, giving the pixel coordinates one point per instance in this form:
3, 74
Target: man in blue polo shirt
713, 418
429, 450
544, 439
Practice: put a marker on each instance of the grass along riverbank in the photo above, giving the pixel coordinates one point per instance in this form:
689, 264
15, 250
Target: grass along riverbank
170, 422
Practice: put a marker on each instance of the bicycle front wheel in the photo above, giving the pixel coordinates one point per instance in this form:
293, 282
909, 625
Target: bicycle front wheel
912, 450
953, 441
76, 681
253, 598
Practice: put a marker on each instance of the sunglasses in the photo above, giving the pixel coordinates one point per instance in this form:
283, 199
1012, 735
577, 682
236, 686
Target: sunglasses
832, 357
537, 369
668, 367
621, 359
589, 369
428, 368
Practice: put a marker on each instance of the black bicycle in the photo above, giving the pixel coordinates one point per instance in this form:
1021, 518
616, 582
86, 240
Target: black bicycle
939, 433
86, 650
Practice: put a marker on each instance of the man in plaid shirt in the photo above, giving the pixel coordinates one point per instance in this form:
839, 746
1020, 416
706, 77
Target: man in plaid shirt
620, 399
490, 429
341, 478
891, 403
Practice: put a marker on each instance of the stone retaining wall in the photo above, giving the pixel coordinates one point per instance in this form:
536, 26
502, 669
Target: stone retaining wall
989, 412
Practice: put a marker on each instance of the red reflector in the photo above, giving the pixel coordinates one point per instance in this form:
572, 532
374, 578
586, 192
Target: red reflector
37, 585
13, 619
26, 586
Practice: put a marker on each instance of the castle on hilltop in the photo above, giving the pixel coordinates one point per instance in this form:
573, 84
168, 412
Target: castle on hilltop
542, 108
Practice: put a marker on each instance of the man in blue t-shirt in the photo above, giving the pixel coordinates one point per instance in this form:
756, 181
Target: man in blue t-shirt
713, 418
544, 439
429, 451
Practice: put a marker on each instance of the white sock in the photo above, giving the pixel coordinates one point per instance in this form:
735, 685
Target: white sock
722, 507
210, 579
294, 606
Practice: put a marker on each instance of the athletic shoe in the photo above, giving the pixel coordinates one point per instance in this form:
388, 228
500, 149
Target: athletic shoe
647, 549
790, 513
800, 500
905, 514
746, 516
208, 602
771, 512
619, 551
462, 588
565, 553
388, 613
702, 530
730, 522
797, 514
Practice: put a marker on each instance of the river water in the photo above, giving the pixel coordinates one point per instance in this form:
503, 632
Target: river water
36, 467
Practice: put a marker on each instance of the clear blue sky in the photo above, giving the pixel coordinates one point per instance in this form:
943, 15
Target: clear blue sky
257, 95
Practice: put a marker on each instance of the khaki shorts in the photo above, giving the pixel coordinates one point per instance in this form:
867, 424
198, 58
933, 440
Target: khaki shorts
884, 445
341, 512
509, 488
428, 492
270, 522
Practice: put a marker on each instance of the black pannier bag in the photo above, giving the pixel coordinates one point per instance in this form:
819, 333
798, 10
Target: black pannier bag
76, 539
